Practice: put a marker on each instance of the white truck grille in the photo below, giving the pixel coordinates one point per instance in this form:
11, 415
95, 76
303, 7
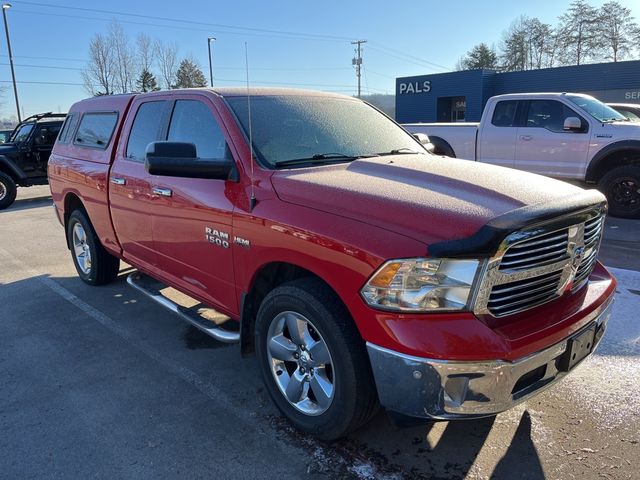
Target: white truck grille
536, 266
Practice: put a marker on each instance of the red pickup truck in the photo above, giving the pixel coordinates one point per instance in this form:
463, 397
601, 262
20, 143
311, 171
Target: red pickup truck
359, 268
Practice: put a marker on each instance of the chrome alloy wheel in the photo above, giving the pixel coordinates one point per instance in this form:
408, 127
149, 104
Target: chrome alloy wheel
3, 191
81, 249
300, 363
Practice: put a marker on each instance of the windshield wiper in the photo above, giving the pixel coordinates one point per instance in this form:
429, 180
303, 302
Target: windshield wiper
402, 151
321, 158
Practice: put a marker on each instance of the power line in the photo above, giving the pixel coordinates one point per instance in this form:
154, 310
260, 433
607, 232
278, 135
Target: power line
192, 22
407, 58
217, 68
47, 58
45, 66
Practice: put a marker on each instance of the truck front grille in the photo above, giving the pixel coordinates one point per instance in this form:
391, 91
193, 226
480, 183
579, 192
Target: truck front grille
536, 266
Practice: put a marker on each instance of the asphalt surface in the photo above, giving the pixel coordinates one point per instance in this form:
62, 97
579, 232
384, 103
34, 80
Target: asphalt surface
100, 382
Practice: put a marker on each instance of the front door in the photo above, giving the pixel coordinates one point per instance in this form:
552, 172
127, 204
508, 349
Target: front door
544, 147
192, 218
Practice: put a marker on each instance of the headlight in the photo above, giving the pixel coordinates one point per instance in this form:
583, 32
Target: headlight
421, 285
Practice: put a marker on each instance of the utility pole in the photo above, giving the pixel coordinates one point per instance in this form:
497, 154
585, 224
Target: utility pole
6, 7
210, 63
357, 61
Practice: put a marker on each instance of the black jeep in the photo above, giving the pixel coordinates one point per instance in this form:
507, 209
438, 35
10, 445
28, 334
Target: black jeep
24, 156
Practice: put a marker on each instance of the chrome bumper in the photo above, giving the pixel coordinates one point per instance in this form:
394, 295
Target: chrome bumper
446, 390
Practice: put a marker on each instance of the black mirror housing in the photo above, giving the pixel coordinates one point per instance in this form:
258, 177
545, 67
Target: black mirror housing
179, 159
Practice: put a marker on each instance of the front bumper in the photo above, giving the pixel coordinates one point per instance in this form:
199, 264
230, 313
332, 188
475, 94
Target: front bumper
440, 389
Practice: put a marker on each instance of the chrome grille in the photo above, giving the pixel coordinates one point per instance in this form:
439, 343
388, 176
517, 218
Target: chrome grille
592, 236
537, 265
536, 252
513, 296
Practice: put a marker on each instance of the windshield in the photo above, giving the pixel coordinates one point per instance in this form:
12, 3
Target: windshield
597, 109
322, 129
22, 133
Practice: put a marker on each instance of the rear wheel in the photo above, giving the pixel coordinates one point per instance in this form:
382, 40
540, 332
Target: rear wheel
313, 360
93, 263
8, 190
621, 186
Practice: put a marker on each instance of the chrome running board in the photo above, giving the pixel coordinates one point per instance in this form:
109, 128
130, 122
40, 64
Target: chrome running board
152, 288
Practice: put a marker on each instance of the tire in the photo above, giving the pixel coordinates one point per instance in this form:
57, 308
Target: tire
8, 190
621, 186
340, 372
93, 263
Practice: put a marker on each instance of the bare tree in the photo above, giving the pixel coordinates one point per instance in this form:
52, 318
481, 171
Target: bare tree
146, 52
540, 43
616, 30
99, 75
578, 31
124, 58
167, 62
513, 47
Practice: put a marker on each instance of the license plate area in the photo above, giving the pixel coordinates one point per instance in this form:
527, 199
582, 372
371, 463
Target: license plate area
578, 347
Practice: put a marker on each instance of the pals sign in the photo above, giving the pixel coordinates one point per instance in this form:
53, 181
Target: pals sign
414, 87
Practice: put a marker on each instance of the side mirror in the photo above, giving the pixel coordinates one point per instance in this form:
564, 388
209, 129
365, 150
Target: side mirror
424, 140
572, 124
179, 159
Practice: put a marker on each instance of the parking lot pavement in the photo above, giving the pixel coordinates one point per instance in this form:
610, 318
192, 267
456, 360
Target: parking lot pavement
101, 382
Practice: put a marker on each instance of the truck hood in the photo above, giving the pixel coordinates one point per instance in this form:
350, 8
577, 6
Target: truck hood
620, 130
425, 197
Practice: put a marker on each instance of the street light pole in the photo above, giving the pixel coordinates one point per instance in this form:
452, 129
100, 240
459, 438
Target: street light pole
5, 7
210, 63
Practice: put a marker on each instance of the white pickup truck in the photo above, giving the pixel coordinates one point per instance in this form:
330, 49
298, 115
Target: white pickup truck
562, 135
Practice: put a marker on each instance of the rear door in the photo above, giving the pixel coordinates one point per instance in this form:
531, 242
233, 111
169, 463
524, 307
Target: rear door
43, 140
497, 137
130, 186
192, 218
544, 147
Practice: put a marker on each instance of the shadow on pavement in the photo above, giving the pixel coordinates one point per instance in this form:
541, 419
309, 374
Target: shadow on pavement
448, 450
27, 203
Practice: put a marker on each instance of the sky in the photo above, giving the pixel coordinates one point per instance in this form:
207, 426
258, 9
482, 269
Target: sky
290, 43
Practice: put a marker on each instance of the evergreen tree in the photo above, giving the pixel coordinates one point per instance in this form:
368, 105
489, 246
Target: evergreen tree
480, 56
189, 75
146, 82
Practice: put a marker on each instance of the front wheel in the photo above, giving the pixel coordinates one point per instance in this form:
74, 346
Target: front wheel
8, 190
313, 360
621, 186
93, 263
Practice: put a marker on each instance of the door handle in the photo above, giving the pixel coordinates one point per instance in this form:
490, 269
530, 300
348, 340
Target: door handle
164, 192
118, 181
526, 138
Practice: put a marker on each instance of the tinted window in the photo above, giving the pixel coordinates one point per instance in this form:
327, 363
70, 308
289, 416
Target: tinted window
549, 114
68, 128
95, 129
193, 122
46, 134
22, 133
145, 129
505, 113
